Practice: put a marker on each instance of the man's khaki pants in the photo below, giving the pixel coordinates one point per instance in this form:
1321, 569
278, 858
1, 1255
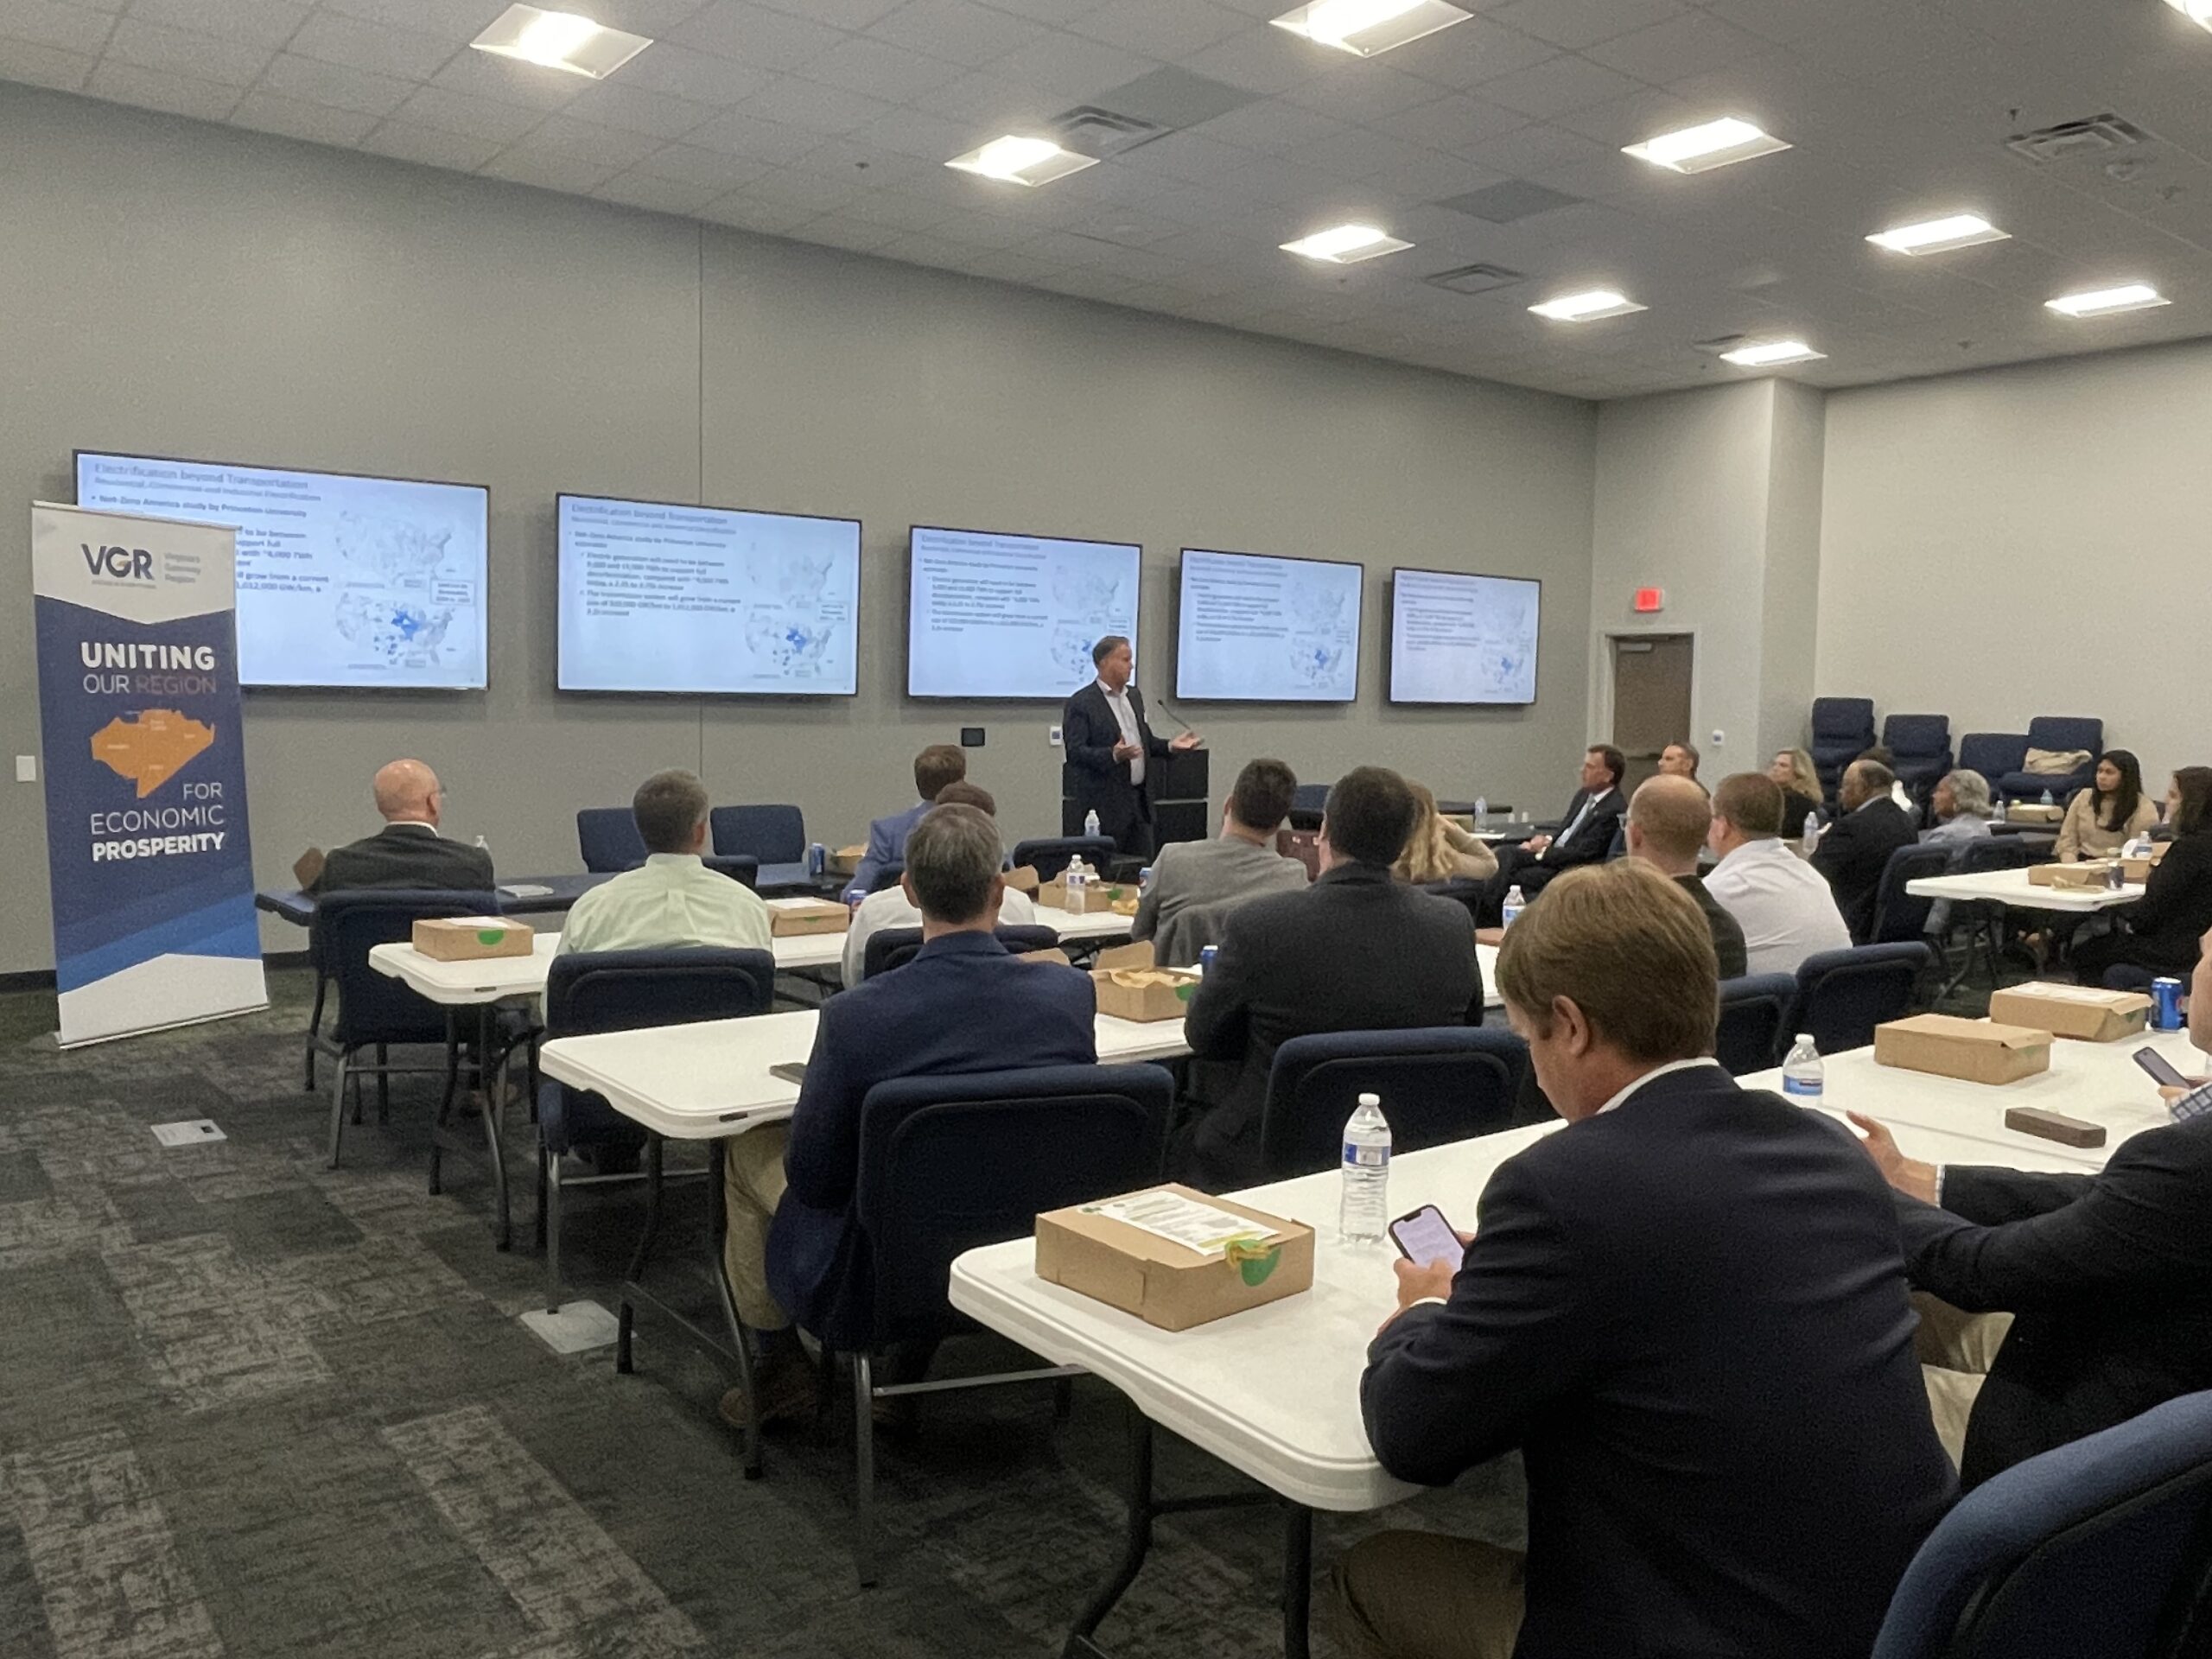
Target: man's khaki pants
1424, 1595
1955, 1350
752, 1185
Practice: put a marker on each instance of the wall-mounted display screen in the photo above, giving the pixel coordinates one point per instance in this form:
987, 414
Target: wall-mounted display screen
1462, 638
992, 615
1251, 628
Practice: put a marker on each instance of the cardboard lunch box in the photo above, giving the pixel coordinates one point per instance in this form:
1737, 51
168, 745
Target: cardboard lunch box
1168, 1284
1104, 896
2089, 873
1973, 1051
473, 938
2085, 1012
787, 917
846, 861
2033, 812
1144, 994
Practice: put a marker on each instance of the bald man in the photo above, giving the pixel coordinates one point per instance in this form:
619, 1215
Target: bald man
1668, 818
408, 851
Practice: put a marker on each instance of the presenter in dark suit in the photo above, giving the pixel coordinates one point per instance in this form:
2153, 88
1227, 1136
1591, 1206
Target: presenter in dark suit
408, 851
965, 1004
1855, 849
1357, 950
2102, 1277
1111, 750
1687, 1309
1585, 835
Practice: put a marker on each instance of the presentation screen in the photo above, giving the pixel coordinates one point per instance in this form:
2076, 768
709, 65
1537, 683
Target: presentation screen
660, 597
369, 583
1254, 629
1457, 639
1013, 616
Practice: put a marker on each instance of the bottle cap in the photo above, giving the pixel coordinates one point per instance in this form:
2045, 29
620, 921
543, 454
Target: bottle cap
1370, 1099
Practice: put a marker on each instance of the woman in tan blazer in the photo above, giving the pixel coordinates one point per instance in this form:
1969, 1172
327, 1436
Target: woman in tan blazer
2102, 820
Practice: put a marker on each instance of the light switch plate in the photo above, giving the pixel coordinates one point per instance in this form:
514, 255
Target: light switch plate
27, 768
1052, 735
1718, 738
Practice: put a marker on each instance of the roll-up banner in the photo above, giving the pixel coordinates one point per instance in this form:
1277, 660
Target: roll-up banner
145, 772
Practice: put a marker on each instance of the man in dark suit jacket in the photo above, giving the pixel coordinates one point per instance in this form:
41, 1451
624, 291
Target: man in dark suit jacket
964, 1005
1688, 1312
1855, 849
408, 851
934, 767
1669, 817
2104, 1277
1358, 950
1111, 750
1585, 835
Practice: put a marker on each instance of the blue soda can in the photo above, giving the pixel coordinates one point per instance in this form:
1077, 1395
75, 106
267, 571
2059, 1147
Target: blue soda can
818, 860
1206, 956
2165, 1011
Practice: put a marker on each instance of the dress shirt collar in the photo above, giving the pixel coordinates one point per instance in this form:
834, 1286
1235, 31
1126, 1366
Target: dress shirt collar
674, 860
410, 823
1656, 1071
1759, 851
1109, 694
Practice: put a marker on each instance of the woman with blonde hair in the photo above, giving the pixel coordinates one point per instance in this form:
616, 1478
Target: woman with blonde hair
1801, 789
1439, 850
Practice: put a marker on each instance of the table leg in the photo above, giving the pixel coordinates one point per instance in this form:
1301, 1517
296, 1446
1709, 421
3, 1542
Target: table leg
493, 1081
445, 1102
1297, 1579
627, 1317
1136, 1543
717, 1230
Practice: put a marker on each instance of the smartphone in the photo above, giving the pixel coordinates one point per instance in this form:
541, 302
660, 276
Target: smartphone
2160, 1069
1426, 1236
790, 1070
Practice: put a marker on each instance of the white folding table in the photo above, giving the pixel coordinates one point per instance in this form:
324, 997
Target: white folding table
2012, 888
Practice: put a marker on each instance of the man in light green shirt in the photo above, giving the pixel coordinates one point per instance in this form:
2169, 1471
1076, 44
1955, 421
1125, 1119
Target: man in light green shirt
673, 899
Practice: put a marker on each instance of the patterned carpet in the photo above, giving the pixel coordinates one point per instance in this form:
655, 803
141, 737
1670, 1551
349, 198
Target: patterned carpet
252, 1407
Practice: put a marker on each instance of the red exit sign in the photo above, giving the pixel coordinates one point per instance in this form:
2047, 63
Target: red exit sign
1647, 599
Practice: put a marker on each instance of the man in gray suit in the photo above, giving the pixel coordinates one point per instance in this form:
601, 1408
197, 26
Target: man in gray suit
408, 851
1195, 884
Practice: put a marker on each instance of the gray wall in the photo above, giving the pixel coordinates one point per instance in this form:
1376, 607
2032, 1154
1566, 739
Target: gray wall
185, 290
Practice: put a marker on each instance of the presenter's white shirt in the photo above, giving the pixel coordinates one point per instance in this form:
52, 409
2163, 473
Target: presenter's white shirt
1785, 907
890, 909
1131, 732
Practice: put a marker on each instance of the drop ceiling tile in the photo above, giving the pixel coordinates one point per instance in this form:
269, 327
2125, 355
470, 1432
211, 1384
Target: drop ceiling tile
755, 36
1271, 125
333, 84
43, 65
150, 45
651, 18
764, 216
57, 27
880, 70
698, 77
330, 38
635, 189
1575, 24
838, 14
498, 124
959, 31
1690, 44
1190, 155
456, 22
1452, 122
1557, 86
1469, 53
258, 22
1632, 119
1361, 91
791, 187
616, 103
1259, 60
989, 105
548, 169
1162, 28
832, 232
911, 133
290, 118
1531, 148
153, 89
982, 231
1072, 68
866, 166
429, 146
736, 133
526, 86
590, 141
816, 108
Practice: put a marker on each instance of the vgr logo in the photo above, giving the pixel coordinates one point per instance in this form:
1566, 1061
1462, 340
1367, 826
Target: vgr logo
135, 564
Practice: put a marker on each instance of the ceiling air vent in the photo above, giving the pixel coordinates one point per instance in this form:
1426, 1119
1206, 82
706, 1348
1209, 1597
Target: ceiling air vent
1152, 105
1089, 131
1515, 199
2096, 136
1476, 279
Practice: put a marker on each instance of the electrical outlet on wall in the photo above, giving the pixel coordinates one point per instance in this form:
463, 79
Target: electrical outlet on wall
1718, 737
1052, 735
27, 768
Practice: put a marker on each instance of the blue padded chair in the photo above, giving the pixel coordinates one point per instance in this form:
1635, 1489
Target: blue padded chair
1994, 754
1843, 729
1049, 856
623, 990
2100, 1546
950, 1163
1843, 994
1920, 747
1308, 802
1900, 918
2061, 733
769, 835
1438, 1084
375, 1011
607, 838
1754, 1013
894, 947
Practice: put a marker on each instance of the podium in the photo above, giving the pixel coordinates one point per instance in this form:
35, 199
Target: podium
1180, 809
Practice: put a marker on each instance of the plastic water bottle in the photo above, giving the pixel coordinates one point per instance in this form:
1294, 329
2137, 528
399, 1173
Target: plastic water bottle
1810, 840
1997, 816
1090, 822
1514, 904
2046, 801
1482, 810
2115, 876
1365, 1211
483, 846
1078, 880
1801, 1072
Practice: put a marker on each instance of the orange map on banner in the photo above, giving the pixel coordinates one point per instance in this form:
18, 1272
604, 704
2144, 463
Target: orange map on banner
150, 747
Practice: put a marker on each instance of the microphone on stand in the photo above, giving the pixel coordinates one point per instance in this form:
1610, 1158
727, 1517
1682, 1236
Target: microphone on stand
1160, 703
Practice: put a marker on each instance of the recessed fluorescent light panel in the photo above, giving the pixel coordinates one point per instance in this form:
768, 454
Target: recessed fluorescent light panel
1016, 160
559, 40
2197, 11
1940, 235
2103, 301
1771, 353
1347, 244
1593, 307
1367, 27
1698, 150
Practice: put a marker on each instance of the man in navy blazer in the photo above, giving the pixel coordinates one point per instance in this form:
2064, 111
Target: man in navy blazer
1109, 748
1585, 835
963, 1004
1687, 1310
934, 767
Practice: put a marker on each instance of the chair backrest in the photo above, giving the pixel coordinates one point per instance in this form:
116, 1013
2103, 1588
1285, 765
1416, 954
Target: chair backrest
625, 990
1049, 856
773, 835
1308, 803
373, 1008
1900, 918
1838, 720
1438, 1085
2064, 731
2102, 1546
1843, 994
1754, 1011
1993, 753
741, 868
1917, 737
894, 947
1986, 853
607, 838
950, 1163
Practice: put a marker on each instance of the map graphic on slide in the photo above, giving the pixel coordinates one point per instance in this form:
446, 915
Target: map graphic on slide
661, 597
1012, 616
341, 580
1463, 639
1253, 629
152, 746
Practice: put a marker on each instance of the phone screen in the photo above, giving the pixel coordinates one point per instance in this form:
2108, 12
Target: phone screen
1426, 1236
2159, 1068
